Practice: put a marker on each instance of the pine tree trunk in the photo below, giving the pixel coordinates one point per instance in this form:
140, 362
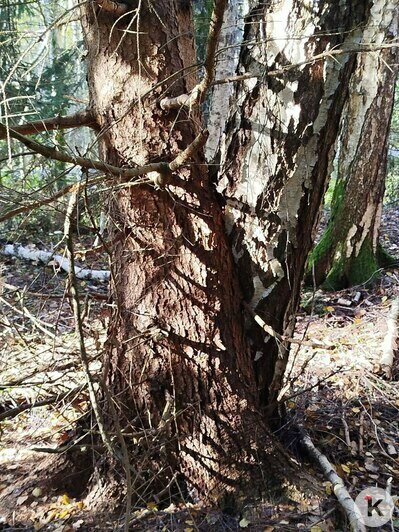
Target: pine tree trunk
280, 151
348, 253
178, 363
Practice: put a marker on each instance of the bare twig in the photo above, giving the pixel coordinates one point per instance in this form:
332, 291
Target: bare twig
361, 48
33, 319
361, 432
68, 447
390, 342
282, 338
12, 412
83, 162
153, 170
190, 151
85, 363
346, 431
301, 392
43, 295
79, 325
50, 199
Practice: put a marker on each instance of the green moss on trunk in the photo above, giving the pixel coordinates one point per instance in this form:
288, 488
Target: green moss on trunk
364, 267
385, 259
353, 270
322, 257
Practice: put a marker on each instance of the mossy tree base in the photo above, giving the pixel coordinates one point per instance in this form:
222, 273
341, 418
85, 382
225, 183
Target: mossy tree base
343, 271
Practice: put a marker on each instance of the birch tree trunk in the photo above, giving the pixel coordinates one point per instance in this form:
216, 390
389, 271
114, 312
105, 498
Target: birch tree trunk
279, 156
348, 253
226, 64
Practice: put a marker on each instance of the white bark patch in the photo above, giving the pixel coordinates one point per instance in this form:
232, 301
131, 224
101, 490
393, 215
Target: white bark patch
226, 64
289, 110
259, 291
232, 215
349, 246
284, 29
365, 224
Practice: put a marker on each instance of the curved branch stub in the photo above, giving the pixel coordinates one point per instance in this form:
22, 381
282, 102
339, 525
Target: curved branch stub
116, 8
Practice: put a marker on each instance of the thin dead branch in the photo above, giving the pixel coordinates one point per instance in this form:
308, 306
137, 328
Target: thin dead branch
12, 412
361, 48
346, 431
79, 325
193, 148
83, 162
282, 338
79, 119
390, 343
153, 170
50, 199
116, 8
124, 456
347, 503
25, 312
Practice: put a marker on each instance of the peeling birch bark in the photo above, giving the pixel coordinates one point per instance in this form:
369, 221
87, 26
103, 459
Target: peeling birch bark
226, 63
280, 148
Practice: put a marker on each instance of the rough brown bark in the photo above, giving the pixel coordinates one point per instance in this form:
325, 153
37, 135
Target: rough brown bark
178, 363
280, 150
348, 252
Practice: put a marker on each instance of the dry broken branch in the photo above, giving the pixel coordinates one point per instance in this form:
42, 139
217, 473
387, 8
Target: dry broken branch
156, 169
80, 119
361, 48
105, 437
12, 412
342, 494
83, 162
281, 338
390, 342
50, 199
190, 151
116, 8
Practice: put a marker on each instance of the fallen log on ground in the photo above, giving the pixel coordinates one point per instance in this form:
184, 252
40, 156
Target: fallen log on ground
53, 259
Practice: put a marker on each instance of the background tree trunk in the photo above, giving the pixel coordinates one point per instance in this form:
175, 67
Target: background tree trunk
348, 252
226, 64
280, 151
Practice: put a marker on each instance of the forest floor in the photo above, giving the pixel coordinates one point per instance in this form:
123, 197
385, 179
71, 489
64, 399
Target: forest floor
337, 395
